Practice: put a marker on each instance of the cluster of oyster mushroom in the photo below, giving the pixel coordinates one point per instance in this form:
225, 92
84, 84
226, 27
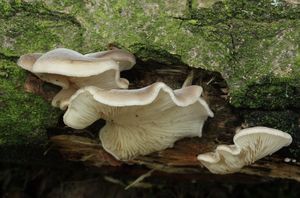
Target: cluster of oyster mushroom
140, 121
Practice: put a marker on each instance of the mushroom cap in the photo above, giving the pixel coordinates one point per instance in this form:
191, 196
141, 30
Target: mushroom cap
72, 70
28, 60
141, 121
124, 59
57, 67
249, 146
212, 161
84, 70
268, 141
71, 63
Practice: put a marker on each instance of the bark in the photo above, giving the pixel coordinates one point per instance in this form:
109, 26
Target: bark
244, 54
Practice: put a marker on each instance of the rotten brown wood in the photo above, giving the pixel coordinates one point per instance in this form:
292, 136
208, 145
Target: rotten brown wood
181, 159
178, 160
76, 148
35, 85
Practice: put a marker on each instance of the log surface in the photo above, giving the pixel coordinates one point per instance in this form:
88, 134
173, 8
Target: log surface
248, 52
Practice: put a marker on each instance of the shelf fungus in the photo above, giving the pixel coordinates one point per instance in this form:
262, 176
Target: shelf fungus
250, 145
72, 70
139, 121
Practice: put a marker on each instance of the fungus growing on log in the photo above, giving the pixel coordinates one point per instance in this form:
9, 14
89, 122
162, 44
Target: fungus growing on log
139, 121
72, 70
249, 146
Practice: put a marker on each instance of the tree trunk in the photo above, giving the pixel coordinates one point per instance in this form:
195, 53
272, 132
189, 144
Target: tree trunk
244, 54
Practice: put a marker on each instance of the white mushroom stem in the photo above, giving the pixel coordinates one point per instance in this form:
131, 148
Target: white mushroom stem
189, 79
61, 99
249, 146
139, 122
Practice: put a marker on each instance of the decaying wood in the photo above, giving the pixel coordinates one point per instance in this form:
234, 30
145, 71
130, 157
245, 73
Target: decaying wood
35, 85
180, 160
84, 145
78, 148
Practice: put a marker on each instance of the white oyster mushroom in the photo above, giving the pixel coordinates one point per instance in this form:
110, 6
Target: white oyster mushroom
250, 145
72, 70
140, 121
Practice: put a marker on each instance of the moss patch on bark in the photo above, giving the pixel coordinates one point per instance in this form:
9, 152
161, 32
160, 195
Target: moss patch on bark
24, 117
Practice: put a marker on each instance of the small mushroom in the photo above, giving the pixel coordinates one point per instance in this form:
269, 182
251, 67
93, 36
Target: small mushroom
249, 146
72, 70
140, 121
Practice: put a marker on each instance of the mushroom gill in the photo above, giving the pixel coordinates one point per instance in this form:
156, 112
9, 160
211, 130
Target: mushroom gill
139, 121
250, 145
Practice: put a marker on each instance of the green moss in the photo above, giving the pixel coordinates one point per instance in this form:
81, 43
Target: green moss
297, 61
149, 53
24, 117
218, 13
5, 8
30, 28
266, 72
264, 44
154, 24
272, 94
263, 10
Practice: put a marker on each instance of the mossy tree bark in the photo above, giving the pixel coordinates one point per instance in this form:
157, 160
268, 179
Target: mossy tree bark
248, 52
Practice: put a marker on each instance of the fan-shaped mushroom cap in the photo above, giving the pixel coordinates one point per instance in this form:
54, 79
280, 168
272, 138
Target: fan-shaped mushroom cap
141, 121
125, 59
71, 63
249, 146
27, 61
72, 70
